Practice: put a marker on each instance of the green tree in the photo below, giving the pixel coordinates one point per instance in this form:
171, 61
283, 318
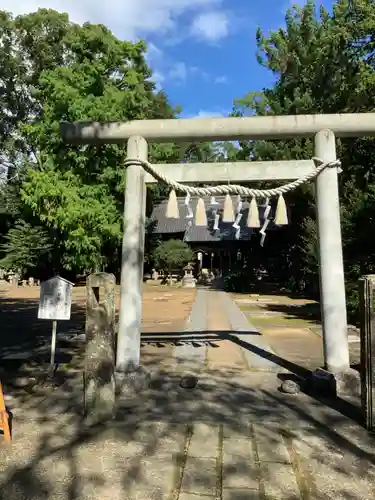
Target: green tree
172, 254
54, 70
322, 63
24, 246
19, 230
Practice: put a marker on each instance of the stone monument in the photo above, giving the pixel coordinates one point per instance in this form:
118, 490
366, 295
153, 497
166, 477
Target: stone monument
99, 376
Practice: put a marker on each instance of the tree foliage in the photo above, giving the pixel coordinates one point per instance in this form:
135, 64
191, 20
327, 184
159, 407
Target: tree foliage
53, 70
323, 63
24, 246
172, 254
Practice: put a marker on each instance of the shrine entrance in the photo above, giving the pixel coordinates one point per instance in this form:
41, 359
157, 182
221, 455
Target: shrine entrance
323, 170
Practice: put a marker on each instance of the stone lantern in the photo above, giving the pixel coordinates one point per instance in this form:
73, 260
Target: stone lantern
188, 281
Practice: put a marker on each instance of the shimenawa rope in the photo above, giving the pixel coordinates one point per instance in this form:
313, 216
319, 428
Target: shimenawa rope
233, 188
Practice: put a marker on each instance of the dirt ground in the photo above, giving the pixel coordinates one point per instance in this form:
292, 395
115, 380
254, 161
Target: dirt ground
165, 309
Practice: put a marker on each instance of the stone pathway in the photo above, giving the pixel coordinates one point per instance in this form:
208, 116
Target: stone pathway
217, 334
231, 438
234, 437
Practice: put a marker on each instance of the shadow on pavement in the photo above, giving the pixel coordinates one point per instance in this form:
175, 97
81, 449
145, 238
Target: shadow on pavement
21, 329
309, 312
300, 447
167, 440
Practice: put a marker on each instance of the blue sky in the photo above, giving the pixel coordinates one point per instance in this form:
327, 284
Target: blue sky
210, 73
202, 51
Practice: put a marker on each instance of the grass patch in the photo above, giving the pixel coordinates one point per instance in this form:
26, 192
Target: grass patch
281, 321
282, 311
278, 319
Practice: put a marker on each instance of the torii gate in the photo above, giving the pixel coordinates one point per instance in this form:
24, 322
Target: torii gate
324, 129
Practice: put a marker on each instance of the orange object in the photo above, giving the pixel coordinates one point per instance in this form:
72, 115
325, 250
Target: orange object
4, 418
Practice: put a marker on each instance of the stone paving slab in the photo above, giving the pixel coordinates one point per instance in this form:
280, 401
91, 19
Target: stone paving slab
188, 354
238, 344
240, 494
218, 335
200, 476
240, 470
226, 354
204, 441
110, 465
255, 348
279, 481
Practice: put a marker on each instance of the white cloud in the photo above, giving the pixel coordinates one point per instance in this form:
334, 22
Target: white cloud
154, 53
209, 114
221, 79
211, 26
129, 19
200, 73
133, 19
179, 71
158, 78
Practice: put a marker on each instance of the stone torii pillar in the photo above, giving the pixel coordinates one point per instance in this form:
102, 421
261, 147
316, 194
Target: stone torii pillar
129, 332
331, 271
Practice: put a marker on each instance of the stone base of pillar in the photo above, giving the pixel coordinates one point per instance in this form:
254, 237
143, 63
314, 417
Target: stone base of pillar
188, 282
130, 384
100, 400
345, 383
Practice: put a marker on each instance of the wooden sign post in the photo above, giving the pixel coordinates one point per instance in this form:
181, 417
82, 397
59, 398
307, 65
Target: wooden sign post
55, 304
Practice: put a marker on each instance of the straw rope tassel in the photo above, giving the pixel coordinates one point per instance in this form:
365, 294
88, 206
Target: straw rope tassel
200, 214
281, 216
228, 213
172, 211
253, 215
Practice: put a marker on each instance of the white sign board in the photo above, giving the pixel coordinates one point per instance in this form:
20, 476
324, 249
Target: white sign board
55, 299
